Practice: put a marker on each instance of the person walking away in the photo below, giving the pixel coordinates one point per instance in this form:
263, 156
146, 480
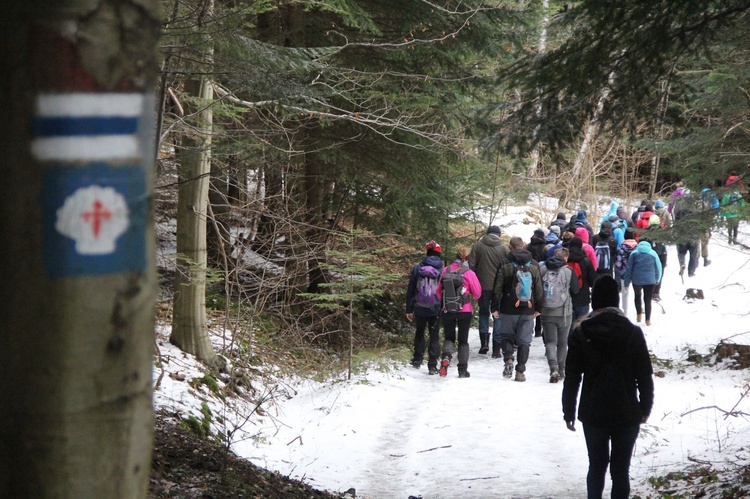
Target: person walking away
587, 248
605, 249
456, 288
644, 271
664, 215
536, 245
659, 248
623, 253
735, 180
423, 306
516, 301
683, 212
709, 206
610, 355
487, 255
561, 221
731, 204
584, 271
559, 283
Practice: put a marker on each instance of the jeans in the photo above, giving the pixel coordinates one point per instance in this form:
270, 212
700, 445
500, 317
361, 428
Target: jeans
682, 250
648, 295
462, 322
556, 330
578, 312
517, 331
433, 326
484, 316
597, 442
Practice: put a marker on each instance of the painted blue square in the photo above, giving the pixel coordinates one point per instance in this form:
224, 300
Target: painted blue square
62, 255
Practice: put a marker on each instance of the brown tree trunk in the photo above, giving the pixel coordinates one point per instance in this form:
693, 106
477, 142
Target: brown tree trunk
77, 262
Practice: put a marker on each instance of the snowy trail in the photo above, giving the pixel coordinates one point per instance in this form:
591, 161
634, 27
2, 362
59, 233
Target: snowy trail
395, 433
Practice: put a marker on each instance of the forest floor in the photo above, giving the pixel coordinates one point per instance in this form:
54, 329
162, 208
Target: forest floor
187, 466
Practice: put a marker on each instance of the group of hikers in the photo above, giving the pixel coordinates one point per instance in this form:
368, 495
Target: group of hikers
567, 285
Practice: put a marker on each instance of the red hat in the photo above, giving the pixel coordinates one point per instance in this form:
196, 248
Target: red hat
432, 245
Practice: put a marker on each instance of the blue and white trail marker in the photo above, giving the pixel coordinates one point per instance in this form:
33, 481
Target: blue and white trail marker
87, 126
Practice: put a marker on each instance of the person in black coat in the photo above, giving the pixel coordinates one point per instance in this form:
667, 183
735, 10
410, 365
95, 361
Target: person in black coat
536, 245
610, 355
582, 299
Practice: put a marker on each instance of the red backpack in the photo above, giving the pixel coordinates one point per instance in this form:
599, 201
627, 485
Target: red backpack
577, 271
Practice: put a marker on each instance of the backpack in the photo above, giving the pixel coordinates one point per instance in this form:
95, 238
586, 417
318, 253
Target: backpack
622, 259
556, 288
521, 285
603, 253
427, 282
453, 283
578, 272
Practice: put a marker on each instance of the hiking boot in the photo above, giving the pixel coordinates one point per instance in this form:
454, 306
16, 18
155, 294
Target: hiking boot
508, 370
638, 317
520, 376
554, 377
706, 262
648, 323
682, 270
656, 298
416, 364
464, 374
444, 366
432, 371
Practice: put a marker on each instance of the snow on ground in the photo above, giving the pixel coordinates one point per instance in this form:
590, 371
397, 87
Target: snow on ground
397, 432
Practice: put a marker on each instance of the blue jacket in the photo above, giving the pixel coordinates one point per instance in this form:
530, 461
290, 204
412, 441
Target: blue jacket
644, 266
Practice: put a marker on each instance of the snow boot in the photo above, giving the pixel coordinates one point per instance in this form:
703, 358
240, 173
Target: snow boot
484, 339
706, 262
496, 353
554, 377
432, 371
464, 374
638, 317
520, 376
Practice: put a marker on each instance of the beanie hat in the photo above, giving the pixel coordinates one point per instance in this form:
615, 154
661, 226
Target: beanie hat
432, 245
555, 229
630, 233
649, 208
605, 293
659, 204
561, 216
539, 233
581, 215
654, 220
576, 242
613, 218
493, 229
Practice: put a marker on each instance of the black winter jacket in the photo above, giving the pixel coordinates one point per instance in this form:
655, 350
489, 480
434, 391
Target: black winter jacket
607, 335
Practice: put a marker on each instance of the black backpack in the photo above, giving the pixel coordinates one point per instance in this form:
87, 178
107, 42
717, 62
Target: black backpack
453, 297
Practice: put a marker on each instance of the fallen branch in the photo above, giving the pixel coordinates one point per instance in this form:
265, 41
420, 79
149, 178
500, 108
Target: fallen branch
478, 478
434, 448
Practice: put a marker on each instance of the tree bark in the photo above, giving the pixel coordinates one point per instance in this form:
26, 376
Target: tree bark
189, 327
77, 260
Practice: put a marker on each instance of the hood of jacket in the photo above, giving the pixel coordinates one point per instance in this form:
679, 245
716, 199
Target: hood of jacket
551, 238
433, 261
555, 262
491, 240
520, 256
538, 237
613, 208
583, 234
605, 233
644, 247
607, 329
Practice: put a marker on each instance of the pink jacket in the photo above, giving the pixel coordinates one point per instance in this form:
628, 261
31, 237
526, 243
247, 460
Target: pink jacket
587, 248
471, 284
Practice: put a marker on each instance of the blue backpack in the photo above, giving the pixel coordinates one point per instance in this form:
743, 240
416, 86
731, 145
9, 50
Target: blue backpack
522, 284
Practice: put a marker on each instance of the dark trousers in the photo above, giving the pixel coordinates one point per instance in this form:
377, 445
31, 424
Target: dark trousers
578, 312
433, 326
733, 225
647, 294
693, 249
618, 459
462, 322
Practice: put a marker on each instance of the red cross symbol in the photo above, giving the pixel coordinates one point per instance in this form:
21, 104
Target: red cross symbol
96, 217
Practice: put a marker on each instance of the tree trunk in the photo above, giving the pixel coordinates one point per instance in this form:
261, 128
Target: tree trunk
77, 260
189, 328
